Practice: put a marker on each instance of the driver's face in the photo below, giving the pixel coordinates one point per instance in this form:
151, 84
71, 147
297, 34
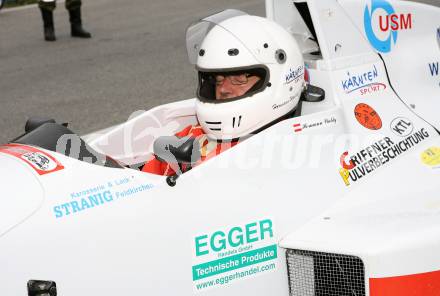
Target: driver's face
232, 86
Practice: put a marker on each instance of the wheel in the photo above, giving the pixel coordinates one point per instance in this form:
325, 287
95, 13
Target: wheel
2, 2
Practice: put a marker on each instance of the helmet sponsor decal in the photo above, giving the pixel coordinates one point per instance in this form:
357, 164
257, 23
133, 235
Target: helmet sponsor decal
294, 75
431, 157
382, 24
365, 161
290, 99
363, 83
102, 194
229, 254
367, 117
40, 161
299, 127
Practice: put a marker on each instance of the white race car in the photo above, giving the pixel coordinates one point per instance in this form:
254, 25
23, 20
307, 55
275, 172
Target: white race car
341, 200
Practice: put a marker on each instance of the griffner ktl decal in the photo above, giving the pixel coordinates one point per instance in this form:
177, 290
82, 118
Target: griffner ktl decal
376, 155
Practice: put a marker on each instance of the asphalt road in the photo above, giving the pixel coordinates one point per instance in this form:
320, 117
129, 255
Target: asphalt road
135, 60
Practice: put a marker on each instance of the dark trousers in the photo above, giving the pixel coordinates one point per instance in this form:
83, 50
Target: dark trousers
70, 4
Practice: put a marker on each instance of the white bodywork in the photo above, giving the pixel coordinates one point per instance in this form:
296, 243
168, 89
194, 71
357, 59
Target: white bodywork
281, 189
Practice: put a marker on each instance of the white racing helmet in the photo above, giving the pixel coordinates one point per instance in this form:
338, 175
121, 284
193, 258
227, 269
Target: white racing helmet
232, 42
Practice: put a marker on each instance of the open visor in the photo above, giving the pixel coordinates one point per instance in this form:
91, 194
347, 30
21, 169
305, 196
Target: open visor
251, 80
197, 31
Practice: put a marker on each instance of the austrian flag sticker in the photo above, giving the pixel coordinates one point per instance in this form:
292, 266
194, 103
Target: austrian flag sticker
297, 127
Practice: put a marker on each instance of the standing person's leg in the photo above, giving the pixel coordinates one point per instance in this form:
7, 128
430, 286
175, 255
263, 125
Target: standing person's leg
74, 8
47, 7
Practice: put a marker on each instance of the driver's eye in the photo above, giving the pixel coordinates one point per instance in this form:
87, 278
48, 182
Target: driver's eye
219, 79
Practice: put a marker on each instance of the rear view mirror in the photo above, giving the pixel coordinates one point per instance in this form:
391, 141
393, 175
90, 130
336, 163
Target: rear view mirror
313, 94
172, 149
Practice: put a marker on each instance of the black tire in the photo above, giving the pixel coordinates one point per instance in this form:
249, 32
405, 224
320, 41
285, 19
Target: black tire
2, 2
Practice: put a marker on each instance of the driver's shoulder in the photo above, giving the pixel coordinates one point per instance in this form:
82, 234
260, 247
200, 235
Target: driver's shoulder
191, 130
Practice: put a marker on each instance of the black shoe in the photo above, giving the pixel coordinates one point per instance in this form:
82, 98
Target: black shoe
77, 29
49, 34
49, 30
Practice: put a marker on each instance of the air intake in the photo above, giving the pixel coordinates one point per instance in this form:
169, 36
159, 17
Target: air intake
324, 274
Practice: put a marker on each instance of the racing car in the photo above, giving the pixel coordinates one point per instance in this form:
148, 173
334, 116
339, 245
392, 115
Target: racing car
340, 200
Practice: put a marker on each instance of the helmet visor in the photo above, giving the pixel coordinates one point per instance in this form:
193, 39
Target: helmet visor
219, 86
197, 31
